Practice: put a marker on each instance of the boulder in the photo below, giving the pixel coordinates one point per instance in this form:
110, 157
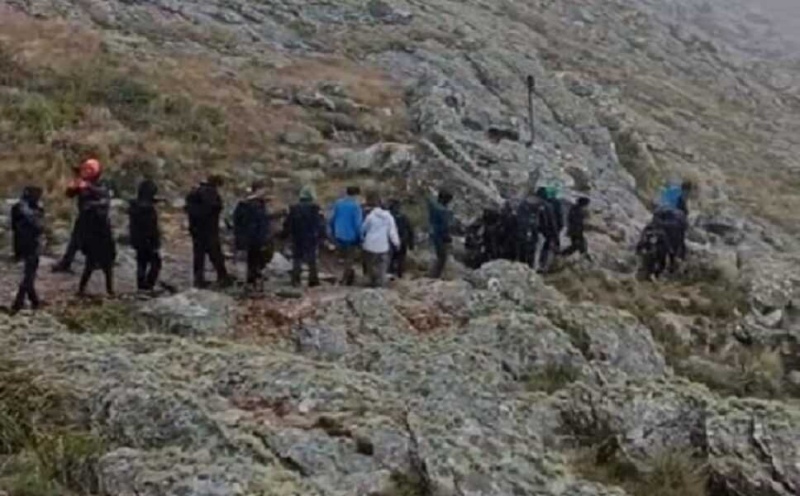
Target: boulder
321, 342
194, 313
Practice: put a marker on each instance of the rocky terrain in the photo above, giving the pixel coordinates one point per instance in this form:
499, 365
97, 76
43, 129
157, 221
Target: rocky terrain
496, 382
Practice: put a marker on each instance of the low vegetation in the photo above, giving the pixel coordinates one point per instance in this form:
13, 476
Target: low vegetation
114, 317
46, 446
552, 378
671, 473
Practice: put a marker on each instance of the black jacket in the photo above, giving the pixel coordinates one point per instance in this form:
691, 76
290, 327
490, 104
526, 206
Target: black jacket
305, 226
27, 227
576, 221
203, 207
405, 230
251, 224
144, 231
96, 239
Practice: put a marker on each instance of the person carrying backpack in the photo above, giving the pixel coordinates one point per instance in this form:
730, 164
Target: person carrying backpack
576, 220
345, 228
405, 230
305, 226
440, 219
653, 249
380, 236
96, 237
547, 227
251, 222
145, 235
203, 208
27, 225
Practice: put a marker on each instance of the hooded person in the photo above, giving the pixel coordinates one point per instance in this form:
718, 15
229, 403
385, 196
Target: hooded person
251, 221
547, 227
305, 227
379, 234
96, 237
576, 224
203, 208
345, 227
440, 220
405, 230
145, 235
27, 218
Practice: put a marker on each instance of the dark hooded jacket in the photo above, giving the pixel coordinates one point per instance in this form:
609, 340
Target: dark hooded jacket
251, 223
27, 225
96, 238
204, 207
305, 226
144, 231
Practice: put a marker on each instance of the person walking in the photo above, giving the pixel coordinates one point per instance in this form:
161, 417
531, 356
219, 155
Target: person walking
252, 232
345, 228
305, 226
95, 236
27, 225
576, 220
440, 219
379, 233
203, 207
145, 235
405, 230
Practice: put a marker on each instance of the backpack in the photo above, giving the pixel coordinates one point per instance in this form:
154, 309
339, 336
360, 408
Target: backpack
670, 197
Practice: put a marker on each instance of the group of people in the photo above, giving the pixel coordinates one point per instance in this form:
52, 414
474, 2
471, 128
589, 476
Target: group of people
532, 227
378, 233
663, 240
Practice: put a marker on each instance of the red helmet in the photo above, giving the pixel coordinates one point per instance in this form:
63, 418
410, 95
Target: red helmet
90, 170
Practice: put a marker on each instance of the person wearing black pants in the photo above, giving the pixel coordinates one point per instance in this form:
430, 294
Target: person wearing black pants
405, 230
251, 222
27, 226
305, 226
96, 238
145, 235
203, 207
576, 220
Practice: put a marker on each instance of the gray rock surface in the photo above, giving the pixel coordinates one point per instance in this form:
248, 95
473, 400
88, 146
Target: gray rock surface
195, 312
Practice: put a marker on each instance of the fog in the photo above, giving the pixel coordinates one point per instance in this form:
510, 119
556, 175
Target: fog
784, 13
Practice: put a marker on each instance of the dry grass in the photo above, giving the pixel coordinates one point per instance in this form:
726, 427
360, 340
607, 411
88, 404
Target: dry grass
45, 443
64, 96
671, 473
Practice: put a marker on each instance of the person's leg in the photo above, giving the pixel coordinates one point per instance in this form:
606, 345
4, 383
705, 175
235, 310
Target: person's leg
218, 260
199, 262
252, 265
109, 273
381, 268
400, 262
142, 264
88, 268
350, 253
313, 271
155, 270
371, 261
65, 264
297, 267
31, 270
441, 261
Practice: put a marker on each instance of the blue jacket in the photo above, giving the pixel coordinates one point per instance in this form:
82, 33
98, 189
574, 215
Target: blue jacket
440, 220
346, 221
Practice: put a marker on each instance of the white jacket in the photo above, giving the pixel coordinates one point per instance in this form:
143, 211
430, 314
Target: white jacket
378, 231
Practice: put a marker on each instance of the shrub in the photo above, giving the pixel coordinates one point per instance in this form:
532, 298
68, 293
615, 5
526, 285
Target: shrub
102, 318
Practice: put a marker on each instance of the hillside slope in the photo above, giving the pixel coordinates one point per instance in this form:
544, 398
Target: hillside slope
587, 382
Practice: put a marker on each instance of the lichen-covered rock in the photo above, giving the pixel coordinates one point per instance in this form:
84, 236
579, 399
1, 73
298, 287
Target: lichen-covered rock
192, 313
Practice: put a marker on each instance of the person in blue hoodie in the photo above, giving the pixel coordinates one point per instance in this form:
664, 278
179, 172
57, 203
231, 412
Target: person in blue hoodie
345, 227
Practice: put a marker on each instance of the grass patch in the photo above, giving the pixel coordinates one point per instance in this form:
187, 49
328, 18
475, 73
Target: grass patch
752, 372
671, 473
705, 295
46, 445
552, 378
102, 318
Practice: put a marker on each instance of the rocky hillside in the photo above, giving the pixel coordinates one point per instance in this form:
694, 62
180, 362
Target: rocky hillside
497, 382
